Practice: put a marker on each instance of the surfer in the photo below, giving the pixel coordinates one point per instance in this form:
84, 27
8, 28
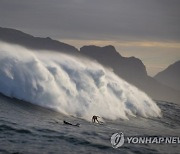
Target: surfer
68, 123
95, 118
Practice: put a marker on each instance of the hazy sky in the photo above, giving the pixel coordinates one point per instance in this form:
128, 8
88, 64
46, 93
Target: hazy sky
147, 29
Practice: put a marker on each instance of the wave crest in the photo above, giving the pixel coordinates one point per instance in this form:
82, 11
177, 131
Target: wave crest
70, 85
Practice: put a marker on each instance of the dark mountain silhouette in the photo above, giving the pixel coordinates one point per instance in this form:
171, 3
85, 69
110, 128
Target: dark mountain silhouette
131, 69
29, 41
108, 56
170, 76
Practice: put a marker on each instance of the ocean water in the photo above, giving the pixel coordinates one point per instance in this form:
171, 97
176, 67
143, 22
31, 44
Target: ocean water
30, 129
40, 89
70, 85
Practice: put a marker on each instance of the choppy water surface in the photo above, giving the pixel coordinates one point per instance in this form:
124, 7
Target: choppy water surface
26, 128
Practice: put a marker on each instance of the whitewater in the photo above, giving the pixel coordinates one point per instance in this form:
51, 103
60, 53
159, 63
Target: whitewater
71, 85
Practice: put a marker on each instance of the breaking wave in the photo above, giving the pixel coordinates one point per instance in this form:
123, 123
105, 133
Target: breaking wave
68, 84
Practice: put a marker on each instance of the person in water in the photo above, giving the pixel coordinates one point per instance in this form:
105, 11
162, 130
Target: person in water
95, 118
68, 123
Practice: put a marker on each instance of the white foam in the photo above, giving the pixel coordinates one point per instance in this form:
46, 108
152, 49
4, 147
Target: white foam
70, 85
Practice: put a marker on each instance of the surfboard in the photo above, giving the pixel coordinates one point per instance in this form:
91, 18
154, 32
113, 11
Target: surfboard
100, 123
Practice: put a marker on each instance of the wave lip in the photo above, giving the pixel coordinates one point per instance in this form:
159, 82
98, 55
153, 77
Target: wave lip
70, 85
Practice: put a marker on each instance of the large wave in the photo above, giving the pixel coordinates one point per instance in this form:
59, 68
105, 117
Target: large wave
71, 85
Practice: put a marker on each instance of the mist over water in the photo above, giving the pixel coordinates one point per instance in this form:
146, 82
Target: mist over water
70, 85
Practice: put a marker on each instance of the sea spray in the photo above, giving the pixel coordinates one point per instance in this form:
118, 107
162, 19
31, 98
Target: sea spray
71, 85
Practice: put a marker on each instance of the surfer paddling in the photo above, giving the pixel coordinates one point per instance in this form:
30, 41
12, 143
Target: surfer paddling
68, 123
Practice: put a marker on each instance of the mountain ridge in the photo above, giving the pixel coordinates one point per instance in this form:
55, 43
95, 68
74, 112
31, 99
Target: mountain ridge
130, 69
18, 37
170, 76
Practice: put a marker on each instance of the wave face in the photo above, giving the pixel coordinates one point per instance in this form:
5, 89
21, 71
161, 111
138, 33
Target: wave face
71, 85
